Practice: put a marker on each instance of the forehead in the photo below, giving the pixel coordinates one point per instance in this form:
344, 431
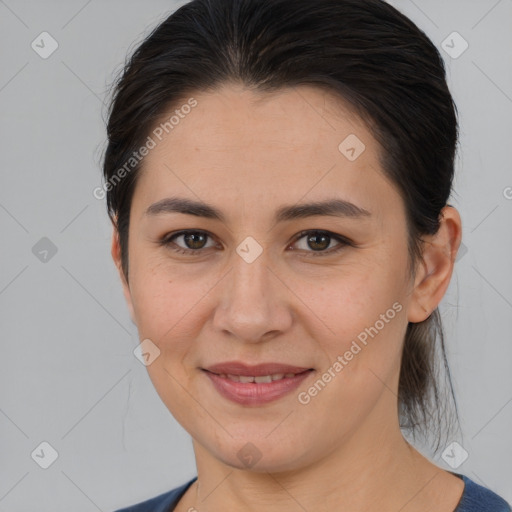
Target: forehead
292, 118
274, 147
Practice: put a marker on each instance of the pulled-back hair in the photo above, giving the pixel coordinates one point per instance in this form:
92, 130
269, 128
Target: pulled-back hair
367, 53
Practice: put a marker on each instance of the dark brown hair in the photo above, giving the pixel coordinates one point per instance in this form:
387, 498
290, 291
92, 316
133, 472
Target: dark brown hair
366, 52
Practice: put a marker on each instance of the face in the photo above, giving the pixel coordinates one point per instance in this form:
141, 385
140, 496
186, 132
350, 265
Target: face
324, 291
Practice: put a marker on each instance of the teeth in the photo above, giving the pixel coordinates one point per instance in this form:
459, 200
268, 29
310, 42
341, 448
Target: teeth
260, 379
263, 378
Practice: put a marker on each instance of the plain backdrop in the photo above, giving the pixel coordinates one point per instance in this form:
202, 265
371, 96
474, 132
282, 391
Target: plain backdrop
68, 375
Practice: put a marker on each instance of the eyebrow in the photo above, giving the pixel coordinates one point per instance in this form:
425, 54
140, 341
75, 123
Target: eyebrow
331, 207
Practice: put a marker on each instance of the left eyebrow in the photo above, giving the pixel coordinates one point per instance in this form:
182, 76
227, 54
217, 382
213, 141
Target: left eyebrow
330, 207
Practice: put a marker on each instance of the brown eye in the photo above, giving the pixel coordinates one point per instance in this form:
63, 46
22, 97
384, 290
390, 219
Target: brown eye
318, 241
193, 241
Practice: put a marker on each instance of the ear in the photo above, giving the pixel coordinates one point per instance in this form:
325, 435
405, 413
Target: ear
434, 274
116, 256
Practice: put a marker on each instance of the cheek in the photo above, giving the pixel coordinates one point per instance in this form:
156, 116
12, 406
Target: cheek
166, 307
363, 317
154, 309
361, 360
352, 301
169, 305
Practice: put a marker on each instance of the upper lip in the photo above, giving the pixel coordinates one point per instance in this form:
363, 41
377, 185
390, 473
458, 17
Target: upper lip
239, 368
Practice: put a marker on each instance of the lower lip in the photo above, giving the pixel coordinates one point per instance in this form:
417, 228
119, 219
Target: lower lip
252, 393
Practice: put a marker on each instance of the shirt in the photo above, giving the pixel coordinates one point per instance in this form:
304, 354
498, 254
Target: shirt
475, 498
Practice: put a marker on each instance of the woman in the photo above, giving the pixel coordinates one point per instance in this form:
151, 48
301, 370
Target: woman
277, 175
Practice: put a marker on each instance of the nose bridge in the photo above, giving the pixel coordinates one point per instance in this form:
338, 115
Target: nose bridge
251, 303
251, 265
250, 285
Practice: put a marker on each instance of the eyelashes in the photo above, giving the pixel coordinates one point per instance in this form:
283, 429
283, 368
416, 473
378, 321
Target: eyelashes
315, 233
314, 236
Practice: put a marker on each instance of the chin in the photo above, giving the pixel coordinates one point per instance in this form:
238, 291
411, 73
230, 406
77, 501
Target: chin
259, 455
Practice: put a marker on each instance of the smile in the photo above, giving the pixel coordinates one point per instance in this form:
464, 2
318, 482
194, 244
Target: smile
259, 379
254, 390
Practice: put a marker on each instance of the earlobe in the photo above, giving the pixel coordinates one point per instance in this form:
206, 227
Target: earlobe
439, 253
116, 256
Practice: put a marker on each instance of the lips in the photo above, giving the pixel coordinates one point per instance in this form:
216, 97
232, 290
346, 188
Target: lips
255, 385
239, 369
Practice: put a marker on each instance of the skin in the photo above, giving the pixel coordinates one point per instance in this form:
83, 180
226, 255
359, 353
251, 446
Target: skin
249, 153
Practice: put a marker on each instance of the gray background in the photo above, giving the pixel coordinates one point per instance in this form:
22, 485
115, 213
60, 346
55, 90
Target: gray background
68, 374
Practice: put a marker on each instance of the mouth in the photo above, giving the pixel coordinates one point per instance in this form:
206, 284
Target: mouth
239, 369
260, 379
255, 385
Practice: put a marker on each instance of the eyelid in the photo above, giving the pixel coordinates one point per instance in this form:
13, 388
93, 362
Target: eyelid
342, 241
168, 239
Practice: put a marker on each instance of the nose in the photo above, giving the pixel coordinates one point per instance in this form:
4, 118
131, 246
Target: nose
254, 304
